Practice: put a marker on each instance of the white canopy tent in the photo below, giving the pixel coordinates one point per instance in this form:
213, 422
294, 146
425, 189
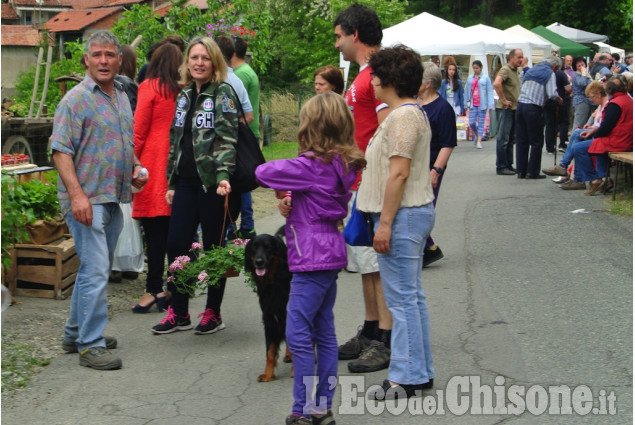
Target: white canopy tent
520, 30
431, 35
605, 48
575, 34
541, 48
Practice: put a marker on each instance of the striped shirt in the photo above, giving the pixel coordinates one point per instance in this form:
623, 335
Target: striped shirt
535, 93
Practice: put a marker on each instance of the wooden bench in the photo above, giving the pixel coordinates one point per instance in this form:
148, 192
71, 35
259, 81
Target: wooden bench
621, 158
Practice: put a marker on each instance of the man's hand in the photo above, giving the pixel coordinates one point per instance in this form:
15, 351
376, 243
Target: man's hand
137, 180
82, 209
169, 196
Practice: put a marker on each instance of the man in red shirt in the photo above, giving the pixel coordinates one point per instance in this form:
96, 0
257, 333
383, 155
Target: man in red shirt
358, 35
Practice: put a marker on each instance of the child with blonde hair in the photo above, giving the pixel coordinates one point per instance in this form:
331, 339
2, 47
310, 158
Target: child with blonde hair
319, 180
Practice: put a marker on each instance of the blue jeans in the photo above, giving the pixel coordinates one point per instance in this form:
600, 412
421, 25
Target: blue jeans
400, 269
568, 154
95, 247
477, 120
310, 320
246, 214
505, 138
584, 170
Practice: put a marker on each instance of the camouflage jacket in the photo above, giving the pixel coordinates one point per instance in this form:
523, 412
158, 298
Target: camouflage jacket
215, 133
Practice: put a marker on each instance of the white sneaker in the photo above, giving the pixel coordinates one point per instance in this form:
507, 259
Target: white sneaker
478, 145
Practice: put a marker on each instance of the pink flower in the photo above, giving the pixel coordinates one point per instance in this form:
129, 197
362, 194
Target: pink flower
203, 277
196, 246
170, 279
231, 251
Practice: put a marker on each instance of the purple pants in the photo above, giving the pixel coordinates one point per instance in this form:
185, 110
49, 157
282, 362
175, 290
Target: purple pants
310, 320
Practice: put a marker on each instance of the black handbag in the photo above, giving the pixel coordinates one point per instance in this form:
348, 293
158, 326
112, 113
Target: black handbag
359, 228
248, 155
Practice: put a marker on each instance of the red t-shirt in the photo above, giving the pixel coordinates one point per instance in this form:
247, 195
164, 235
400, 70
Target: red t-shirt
361, 99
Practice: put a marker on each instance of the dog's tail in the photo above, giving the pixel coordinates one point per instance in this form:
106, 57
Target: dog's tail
280, 233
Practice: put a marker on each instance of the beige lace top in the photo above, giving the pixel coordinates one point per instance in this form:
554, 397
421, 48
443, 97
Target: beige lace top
406, 133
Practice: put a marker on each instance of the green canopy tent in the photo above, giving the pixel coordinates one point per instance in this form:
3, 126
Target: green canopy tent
567, 47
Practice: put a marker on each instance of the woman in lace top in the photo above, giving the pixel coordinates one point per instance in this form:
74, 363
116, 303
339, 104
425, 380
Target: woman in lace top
397, 192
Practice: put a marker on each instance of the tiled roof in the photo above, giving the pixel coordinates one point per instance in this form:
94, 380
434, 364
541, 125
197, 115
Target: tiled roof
77, 20
74, 4
163, 10
7, 12
123, 2
19, 35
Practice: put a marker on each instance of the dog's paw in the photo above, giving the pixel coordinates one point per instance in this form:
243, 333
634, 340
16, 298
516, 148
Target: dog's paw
287, 359
266, 377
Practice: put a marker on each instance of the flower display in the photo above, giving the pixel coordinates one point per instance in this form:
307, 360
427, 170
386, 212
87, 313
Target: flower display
192, 273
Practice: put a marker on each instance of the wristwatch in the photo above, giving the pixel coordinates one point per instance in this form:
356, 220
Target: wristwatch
439, 170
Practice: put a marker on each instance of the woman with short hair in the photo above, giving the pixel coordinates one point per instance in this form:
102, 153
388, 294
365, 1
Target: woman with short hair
397, 192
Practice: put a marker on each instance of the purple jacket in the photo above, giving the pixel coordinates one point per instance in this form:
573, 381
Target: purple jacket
320, 198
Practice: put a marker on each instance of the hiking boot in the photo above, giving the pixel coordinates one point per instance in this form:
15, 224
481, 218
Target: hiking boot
431, 255
99, 358
71, 347
352, 348
172, 323
375, 357
556, 170
209, 323
297, 420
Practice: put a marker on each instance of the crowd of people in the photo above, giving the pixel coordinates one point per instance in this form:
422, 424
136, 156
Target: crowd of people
386, 143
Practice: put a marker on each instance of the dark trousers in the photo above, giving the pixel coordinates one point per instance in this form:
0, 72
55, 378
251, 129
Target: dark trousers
556, 120
435, 190
530, 138
155, 230
191, 206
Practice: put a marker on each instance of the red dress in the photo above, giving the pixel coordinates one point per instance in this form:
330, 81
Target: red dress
152, 120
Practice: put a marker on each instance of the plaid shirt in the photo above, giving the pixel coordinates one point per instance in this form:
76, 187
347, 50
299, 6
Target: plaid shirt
535, 93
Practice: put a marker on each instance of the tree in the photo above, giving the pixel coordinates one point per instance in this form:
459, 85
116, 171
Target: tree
303, 39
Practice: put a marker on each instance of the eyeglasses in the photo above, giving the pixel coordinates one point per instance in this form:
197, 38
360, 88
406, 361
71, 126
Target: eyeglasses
603, 80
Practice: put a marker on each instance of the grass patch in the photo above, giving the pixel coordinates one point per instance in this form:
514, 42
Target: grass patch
284, 109
623, 204
19, 363
280, 150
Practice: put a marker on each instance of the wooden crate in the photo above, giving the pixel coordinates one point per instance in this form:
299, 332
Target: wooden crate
45, 271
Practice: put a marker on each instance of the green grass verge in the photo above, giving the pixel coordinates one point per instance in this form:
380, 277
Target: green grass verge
623, 204
19, 363
280, 150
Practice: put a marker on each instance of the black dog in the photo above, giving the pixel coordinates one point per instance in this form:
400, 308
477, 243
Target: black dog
266, 260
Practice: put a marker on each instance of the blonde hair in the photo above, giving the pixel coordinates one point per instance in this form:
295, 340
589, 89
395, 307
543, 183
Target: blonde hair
594, 87
219, 66
327, 128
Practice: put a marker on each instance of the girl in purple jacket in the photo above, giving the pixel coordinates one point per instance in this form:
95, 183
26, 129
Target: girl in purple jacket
319, 180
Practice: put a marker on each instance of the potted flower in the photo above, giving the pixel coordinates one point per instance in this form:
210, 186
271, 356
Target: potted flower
192, 276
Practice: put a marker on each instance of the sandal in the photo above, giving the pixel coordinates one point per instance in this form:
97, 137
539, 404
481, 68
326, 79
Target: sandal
159, 301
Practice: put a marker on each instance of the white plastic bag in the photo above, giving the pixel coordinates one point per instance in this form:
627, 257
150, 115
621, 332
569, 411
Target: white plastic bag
129, 250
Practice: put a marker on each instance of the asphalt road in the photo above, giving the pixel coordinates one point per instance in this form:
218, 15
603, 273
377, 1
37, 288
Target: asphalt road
531, 300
